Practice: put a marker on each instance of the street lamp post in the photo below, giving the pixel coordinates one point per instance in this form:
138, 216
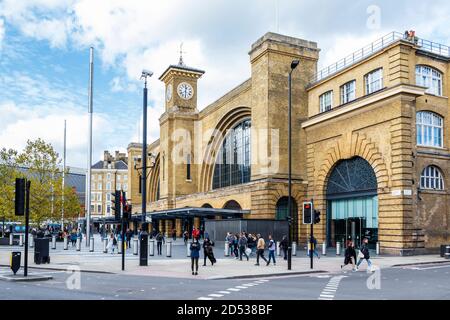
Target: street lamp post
294, 64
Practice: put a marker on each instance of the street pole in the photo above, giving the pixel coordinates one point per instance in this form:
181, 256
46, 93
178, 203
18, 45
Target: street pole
123, 233
27, 226
90, 111
311, 243
63, 178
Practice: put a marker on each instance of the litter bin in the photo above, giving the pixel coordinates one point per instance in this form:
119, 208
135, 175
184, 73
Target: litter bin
15, 261
41, 250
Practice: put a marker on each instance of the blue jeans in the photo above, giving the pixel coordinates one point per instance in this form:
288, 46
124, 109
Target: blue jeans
272, 256
369, 263
314, 253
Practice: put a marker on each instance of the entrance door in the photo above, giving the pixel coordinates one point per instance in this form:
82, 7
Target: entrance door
354, 230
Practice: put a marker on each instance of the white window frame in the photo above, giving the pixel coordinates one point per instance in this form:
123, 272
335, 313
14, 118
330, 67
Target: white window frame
348, 92
118, 186
431, 178
108, 176
429, 77
428, 129
108, 186
100, 186
326, 101
374, 81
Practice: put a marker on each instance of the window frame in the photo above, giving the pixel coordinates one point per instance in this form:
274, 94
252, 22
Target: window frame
322, 106
434, 74
432, 178
423, 128
344, 90
369, 82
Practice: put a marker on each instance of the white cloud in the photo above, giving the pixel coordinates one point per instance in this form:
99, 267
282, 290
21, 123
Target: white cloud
2, 32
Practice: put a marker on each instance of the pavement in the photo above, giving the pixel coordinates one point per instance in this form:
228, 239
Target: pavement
178, 265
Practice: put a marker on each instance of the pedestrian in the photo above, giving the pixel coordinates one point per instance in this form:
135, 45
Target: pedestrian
242, 246
159, 242
112, 242
364, 255
236, 245
230, 239
272, 247
185, 236
73, 238
284, 244
195, 233
350, 256
208, 251
260, 249
251, 243
129, 235
79, 235
195, 255
312, 247
174, 235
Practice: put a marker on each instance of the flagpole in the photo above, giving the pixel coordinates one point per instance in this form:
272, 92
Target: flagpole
90, 111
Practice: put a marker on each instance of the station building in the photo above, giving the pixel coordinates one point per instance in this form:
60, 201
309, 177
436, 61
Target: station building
370, 145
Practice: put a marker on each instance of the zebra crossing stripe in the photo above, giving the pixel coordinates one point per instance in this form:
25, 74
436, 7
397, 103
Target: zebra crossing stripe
204, 298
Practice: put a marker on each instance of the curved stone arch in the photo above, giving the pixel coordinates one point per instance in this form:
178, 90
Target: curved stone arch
153, 180
362, 147
232, 204
209, 158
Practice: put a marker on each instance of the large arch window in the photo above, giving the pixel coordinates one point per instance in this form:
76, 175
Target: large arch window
429, 127
431, 178
233, 160
430, 78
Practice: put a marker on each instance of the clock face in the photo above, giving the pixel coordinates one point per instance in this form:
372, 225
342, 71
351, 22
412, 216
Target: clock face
169, 92
185, 90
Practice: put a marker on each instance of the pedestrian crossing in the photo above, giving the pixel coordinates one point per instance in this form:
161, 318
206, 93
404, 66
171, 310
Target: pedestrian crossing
222, 293
329, 292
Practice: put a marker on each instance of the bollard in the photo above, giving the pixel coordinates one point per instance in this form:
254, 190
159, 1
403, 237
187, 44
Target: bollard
378, 248
119, 245
31, 241
78, 244
294, 248
11, 239
324, 248
66, 243
278, 249
53, 242
338, 248
91, 244
151, 247
21, 240
188, 249
135, 246
105, 245
227, 249
169, 249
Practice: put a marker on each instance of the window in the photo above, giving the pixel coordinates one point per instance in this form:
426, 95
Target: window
188, 167
430, 78
125, 177
108, 186
429, 127
92, 208
431, 178
108, 176
108, 196
108, 209
100, 186
118, 177
233, 159
125, 187
99, 197
374, 81
348, 92
99, 208
326, 101
119, 186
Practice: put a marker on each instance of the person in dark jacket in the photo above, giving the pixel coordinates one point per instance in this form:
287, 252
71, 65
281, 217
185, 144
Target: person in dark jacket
208, 251
365, 255
159, 242
242, 243
195, 255
284, 246
350, 256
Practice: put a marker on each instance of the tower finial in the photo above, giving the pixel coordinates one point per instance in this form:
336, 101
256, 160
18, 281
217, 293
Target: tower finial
181, 63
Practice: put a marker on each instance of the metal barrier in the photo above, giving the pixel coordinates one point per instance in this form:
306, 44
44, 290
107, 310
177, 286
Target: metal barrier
78, 244
169, 249
338, 248
135, 246
151, 247
65, 243
21, 240
378, 248
11, 239
278, 249
119, 246
294, 248
105, 245
324, 248
188, 249
226, 250
53, 242
91, 244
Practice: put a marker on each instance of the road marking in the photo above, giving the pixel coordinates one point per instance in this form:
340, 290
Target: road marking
233, 289
204, 298
215, 295
241, 287
330, 289
327, 295
225, 292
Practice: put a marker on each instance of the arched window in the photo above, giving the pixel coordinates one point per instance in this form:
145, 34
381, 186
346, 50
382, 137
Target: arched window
233, 160
431, 178
429, 127
430, 78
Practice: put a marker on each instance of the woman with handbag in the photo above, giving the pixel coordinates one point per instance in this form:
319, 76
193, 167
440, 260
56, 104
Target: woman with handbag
364, 255
350, 256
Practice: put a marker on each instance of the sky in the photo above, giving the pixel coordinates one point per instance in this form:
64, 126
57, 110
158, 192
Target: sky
44, 56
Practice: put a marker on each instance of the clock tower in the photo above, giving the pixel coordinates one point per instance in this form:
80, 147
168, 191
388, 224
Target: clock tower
181, 87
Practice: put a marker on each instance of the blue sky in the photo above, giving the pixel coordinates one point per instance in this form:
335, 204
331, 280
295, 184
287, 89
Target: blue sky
44, 55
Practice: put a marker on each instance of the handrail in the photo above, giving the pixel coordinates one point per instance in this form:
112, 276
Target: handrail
375, 47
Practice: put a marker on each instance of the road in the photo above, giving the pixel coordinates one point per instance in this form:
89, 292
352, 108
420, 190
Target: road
431, 281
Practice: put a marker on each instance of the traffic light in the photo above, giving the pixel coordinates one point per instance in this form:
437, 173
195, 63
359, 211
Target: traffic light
307, 212
126, 208
316, 216
115, 199
20, 197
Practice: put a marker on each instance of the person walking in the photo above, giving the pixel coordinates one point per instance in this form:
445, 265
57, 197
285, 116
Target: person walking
195, 233
261, 244
185, 236
242, 243
73, 238
174, 235
112, 242
364, 255
236, 245
129, 235
251, 243
272, 247
284, 246
208, 251
195, 255
159, 242
312, 247
350, 256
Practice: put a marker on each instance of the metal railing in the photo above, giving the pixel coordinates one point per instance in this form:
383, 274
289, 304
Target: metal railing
375, 47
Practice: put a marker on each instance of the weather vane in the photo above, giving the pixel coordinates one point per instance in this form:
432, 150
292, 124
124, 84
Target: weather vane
181, 63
